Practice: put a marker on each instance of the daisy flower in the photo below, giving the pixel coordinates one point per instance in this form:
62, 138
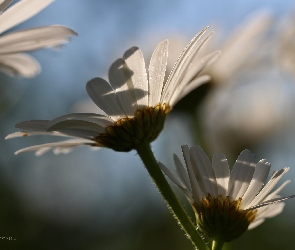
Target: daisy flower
132, 106
12, 45
227, 203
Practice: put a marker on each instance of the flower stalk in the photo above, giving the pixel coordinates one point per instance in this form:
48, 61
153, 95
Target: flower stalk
147, 156
217, 244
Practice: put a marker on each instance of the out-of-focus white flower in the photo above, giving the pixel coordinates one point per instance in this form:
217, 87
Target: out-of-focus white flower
132, 107
12, 45
249, 98
242, 50
226, 203
285, 41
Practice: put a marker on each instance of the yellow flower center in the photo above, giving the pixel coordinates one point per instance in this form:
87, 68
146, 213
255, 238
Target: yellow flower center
222, 218
127, 132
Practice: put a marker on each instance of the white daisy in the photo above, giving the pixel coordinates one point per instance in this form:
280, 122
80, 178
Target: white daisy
12, 45
226, 203
133, 106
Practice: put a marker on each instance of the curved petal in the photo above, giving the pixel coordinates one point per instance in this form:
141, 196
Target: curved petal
173, 177
43, 148
4, 4
120, 77
272, 201
197, 192
19, 64
277, 175
25, 134
256, 223
157, 69
33, 125
190, 87
20, 12
36, 38
266, 212
182, 172
221, 170
203, 171
241, 175
182, 65
103, 95
259, 177
192, 73
78, 128
100, 120
135, 62
177, 181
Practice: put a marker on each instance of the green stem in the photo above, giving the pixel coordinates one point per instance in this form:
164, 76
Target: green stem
147, 156
217, 244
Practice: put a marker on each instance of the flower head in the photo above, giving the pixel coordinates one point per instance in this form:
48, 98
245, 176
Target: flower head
132, 105
226, 203
12, 45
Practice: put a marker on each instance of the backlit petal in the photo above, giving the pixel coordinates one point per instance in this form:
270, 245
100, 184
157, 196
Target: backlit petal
135, 62
20, 12
157, 69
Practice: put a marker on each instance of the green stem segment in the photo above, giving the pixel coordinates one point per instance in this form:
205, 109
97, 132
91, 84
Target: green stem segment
217, 244
147, 156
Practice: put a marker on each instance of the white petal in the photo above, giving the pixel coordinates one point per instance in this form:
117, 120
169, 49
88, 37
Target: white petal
203, 171
271, 210
157, 69
103, 95
273, 198
4, 4
120, 79
275, 193
190, 74
33, 125
256, 223
25, 134
266, 212
19, 64
259, 177
78, 128
196, 190
20, 12
177, 181
43, 148
182, 172
272, 201
100, 120
190, 87
172, 176
277, 175
221, 169
15, 135
32, 39
135, 62
181, 66
241, 175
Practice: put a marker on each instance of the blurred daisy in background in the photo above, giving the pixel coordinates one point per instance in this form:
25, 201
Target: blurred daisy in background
12, 45
250, 98
286, 44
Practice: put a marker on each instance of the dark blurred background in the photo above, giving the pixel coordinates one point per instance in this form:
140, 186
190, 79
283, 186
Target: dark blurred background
106, 200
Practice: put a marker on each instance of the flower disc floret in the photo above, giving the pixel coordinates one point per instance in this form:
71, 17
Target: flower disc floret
222, 218
127, 132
